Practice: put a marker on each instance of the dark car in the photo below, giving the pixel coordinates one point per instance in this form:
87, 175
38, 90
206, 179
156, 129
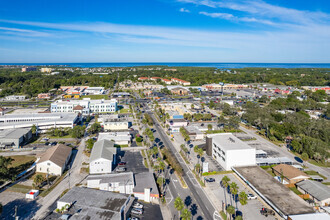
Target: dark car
122, 163
53, 143
47, 143
210, 180
266, 212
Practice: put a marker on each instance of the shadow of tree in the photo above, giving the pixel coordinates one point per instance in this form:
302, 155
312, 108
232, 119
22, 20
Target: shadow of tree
25, 209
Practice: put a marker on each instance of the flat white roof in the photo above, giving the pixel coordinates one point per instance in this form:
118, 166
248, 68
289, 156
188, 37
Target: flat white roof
229, 142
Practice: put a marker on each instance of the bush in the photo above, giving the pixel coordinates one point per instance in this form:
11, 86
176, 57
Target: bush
138, 139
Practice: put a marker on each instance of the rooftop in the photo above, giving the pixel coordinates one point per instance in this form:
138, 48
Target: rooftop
121, 178
145, 180
103, 149
229, 142
289, 171
282, 197
14, 133
315, 189
57, 154
95, 204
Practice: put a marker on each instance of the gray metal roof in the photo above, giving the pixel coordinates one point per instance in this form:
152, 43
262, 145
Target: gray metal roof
145, 180
14, 133
315, 189
103, 149
95, 204
121, 178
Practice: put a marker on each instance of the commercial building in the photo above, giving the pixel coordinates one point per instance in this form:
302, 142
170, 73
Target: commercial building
55, 160
179, 91
176, 124
89, 106
94, 91
119, 182
14, 138
103, 157
43, 121
195, 133
44, 96
146, 187
86, 203
290, 174
273, 160
229, 151
317, 191
279, 197
113, 123
310, 216
46, 70
120, 138
28, 69
180, 81
15, 98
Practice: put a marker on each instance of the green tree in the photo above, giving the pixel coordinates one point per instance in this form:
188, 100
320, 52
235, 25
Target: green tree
225, 183
178, 204
90, 143
209, 127
239, 217
243, 198
34, 129
231, 210
5, 162
95, 128
233, 188
38, 180
78, 131
304, 156
186, 215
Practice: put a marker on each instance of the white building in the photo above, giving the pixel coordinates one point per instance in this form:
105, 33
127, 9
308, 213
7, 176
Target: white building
89, 106
94, 91
119, 182
43, 121
54, 160
113, 123
103, 157
46, 70
15, 98
120, 138
229, 151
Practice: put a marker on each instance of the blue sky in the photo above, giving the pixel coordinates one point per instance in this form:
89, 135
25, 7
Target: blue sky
165, 31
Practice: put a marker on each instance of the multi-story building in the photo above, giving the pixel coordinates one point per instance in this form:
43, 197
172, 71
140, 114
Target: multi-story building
103, 157
229, 151
94, 91
180, 81
28, 69
89, 106
46, 70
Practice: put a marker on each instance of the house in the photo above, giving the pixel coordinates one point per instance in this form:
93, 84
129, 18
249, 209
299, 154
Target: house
147, 92
143, 78
317, 191
119, 182
229, 151
103, 157
179, 91
55, 160
120, 138
86, 203
15, 138
290, 174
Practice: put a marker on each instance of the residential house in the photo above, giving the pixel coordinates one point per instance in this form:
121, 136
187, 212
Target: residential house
290, 174
317, 191
55, 160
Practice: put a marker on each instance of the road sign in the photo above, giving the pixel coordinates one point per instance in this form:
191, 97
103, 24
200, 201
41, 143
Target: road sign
205, 167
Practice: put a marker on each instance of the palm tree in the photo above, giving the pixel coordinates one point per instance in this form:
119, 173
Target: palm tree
38, 179
225, 182
243, 198
234, 191
200, 153
186, 215
197, 167
231, 210
239, 217
178, 204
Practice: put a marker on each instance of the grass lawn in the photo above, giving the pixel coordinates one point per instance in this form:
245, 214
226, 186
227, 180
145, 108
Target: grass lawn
95, 97
327, 183
326, 164
20, 188
21, 159
295, 190
58, 137
124, 110
312, 172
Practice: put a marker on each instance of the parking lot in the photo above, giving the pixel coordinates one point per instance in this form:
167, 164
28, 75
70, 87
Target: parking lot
251, 211
150, 211
134, 161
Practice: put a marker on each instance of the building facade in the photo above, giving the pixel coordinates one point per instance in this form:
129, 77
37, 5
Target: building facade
103, 157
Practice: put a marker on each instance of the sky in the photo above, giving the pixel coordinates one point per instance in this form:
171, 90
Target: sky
250, 31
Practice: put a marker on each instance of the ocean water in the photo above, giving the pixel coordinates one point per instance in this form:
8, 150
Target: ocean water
215, 65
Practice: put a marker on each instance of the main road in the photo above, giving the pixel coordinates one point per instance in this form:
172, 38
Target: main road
198, 193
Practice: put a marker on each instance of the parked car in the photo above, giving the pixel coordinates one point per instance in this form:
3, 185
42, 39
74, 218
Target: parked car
137, 211
121, 169
251, 196
122, 163
137, 205
209, 179
266, 212
53, 143
47, 143
133, 218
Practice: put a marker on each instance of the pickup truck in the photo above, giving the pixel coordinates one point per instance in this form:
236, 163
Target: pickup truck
266, 212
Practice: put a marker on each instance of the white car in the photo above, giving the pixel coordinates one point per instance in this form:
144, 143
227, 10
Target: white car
137, 211
251, 196
137, 205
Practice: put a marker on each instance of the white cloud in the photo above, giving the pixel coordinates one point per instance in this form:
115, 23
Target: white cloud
218, 15
184, 10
